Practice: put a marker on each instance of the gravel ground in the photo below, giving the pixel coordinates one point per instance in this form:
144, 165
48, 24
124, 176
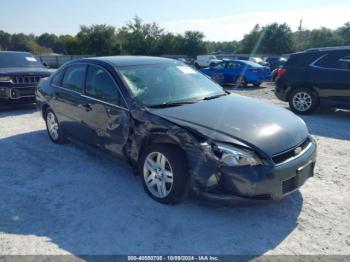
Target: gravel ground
65, 200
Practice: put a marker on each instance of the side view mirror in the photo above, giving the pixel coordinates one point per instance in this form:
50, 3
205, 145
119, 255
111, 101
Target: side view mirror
45, 64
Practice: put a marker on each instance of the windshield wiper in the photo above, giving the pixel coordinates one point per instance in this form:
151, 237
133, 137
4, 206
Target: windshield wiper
171, 104
214, 96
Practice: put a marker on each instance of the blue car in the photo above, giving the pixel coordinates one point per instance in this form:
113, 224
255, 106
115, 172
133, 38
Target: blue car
240, 72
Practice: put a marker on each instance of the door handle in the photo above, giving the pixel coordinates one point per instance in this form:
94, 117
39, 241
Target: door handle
87, 107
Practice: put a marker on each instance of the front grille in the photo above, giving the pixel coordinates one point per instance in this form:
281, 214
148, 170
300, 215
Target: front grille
285, 156
26, 79
22, 92
289, 185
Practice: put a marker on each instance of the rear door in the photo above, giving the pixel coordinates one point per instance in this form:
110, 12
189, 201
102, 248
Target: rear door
333, 77
67, 103
232, 71
106, 114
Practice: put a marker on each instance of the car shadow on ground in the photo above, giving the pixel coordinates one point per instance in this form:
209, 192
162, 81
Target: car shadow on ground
86, 204
329, 123
7, 110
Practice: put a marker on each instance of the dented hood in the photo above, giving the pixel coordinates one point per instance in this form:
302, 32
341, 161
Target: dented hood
238, 118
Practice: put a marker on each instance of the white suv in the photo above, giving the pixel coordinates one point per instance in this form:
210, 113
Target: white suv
206, 60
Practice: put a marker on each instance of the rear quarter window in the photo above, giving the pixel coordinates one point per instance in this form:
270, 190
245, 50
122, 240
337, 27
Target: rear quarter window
302, 60
57, 78
335, 62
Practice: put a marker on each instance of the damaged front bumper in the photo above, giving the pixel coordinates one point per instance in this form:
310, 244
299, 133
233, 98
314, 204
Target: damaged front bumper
256, 183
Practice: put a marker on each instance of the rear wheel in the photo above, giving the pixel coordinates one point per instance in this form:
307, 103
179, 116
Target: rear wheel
164, 173
53, 127
241, 82
303, 101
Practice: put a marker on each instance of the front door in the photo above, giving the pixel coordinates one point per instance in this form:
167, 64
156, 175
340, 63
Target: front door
106, 113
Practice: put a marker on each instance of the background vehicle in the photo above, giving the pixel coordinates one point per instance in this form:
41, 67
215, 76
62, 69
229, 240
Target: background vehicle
20, 73
241, 72
206, 60
275, 62
162, 116
315, 77
258, 60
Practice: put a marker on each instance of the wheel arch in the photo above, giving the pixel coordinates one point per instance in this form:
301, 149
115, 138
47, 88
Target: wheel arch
158, 138
44, 109
302, 86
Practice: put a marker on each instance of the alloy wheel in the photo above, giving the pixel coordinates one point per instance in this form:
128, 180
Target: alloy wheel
158, 175
52, 125
302, 101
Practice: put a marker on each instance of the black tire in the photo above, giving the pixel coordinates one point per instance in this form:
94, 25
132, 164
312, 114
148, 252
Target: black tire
60, 139
181, 182
241, 81
257, 84
218, 78
310, 100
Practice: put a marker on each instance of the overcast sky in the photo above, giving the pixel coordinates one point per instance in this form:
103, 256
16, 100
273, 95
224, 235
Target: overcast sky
218, 20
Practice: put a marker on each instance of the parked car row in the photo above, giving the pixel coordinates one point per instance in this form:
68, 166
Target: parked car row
176, 127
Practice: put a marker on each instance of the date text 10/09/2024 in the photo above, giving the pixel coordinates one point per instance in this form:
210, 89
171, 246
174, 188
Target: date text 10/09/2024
173, 258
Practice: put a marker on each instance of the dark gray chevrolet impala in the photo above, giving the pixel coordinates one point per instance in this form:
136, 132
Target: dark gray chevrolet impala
181, 131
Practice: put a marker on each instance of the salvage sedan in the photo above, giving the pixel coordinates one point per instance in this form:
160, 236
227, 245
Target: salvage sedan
181, 131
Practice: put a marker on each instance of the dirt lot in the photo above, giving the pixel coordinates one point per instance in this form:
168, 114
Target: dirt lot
65, 200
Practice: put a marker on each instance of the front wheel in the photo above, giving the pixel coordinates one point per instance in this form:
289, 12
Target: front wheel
303, 101
164, 173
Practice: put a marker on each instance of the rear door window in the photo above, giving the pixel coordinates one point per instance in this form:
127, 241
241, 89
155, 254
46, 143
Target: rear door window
74, 78
233, 65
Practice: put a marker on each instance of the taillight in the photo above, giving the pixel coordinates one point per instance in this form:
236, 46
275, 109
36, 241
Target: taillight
281, 71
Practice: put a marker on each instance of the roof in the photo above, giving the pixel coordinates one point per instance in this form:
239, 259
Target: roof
327, 49
133, 60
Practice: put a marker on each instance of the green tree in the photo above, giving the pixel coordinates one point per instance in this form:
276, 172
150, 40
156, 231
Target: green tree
71, 46
344, 33
140, 38
324, 37
22, 42
276, 39
193, 44
5, 40
222, 47
251, 41
98, 40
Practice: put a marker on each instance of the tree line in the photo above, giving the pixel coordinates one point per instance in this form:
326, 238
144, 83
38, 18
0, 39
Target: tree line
139, 38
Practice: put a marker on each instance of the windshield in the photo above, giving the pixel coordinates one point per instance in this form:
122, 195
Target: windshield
168, 83
18, 60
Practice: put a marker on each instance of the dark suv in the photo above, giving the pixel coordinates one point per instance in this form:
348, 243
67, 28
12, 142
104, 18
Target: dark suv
314, 78
20, 73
